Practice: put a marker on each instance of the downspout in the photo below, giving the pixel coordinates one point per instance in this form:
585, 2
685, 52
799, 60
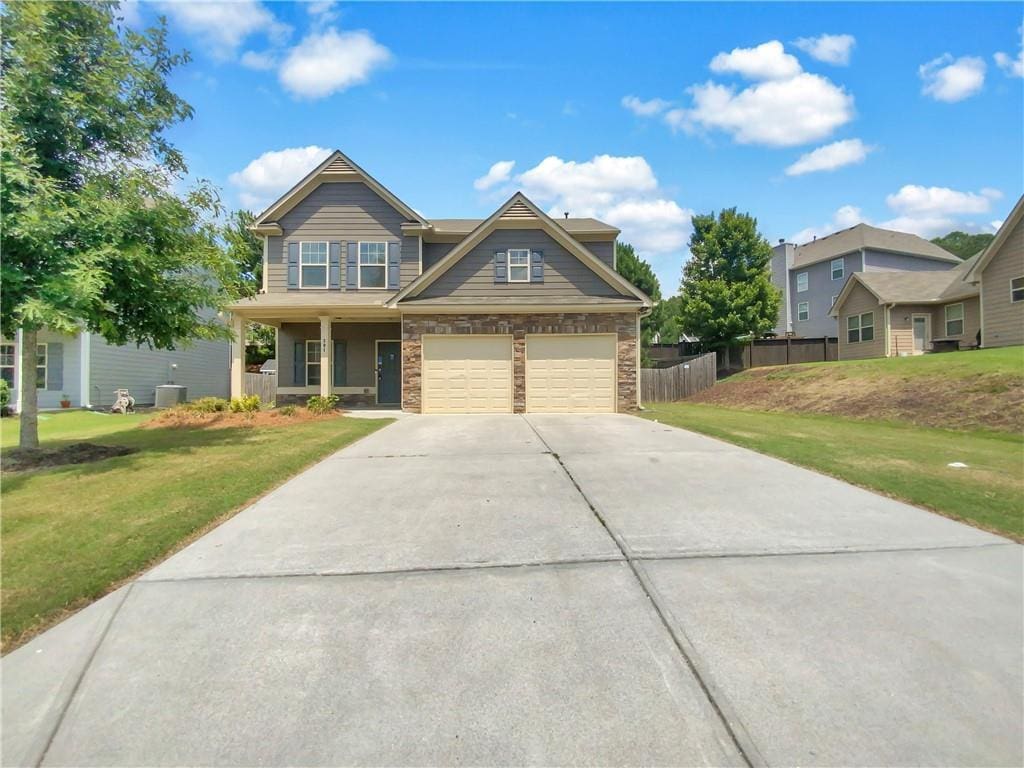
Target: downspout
888, 329
85, 369
639, 342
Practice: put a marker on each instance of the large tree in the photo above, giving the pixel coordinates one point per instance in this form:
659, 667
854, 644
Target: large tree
245, 250
726, 291
640, 273
94, 235
962, 244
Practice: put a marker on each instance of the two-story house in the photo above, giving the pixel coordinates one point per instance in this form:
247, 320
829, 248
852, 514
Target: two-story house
811, 276
375, 303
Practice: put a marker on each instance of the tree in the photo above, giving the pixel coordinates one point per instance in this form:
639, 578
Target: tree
726, 291
665, 319
962, 244
639, 273
94, 236
245, 250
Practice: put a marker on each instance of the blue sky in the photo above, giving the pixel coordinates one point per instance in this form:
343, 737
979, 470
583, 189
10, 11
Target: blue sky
915, 110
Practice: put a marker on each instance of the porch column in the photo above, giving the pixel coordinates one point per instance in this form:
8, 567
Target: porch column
237, 354
326, 357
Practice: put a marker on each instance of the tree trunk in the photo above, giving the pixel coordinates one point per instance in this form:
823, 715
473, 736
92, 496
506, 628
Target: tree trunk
29, 415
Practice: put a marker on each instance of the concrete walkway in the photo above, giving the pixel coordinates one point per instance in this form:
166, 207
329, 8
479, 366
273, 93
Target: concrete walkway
544, 590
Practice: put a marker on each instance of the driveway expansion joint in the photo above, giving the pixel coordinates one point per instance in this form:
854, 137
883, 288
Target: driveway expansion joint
740, 555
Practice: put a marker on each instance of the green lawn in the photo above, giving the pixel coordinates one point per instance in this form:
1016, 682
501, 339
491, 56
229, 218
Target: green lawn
904, 461
70, 534
71, 425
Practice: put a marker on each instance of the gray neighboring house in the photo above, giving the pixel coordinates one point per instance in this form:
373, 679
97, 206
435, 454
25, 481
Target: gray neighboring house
811, 276
87, 370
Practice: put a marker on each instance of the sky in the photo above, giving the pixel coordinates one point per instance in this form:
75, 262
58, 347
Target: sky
811, 117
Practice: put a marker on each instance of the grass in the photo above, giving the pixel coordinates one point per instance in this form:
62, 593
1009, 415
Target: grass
71, 425
904, 461
72, 534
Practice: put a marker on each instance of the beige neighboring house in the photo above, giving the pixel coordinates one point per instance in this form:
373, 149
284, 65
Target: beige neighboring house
379, 305
978, 303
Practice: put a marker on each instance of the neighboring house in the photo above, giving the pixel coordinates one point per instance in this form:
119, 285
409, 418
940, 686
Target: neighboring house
999, 275
811, 276
379, 305
87, 370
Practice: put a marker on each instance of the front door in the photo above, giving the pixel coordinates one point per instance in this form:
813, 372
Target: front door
389, 372
920, 333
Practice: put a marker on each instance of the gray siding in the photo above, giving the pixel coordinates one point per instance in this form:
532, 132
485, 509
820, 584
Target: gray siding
861, 300
337, 211
782, 257
434, 252
883, 261
72, 371
820, 290
604, 250
360, 351
409, 269
565, 276
1004, 319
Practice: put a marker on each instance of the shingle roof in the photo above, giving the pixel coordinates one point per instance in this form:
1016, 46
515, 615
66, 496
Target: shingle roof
572, 226
866, 236
920, 287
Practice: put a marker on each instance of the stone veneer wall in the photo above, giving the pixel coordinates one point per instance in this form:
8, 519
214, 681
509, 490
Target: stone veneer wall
622, 324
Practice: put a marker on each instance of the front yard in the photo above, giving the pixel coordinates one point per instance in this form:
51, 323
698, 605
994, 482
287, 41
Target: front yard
905, 461
70, 535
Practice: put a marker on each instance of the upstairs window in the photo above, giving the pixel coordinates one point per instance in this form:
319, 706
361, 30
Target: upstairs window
838, 268
7, 363
373, 265
860, 328
801, 282
519, 265
312, 265
803, 310
955, 320
1017, 290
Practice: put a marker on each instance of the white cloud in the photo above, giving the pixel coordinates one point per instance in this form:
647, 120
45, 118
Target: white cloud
946, 79
331, 61
768, 61
223, 26
845, 217
832, 49
1013, 67
778, 113
273, 173
652, 226
916, 200
922, 226
260, 61
830, 157
498, 173
324, 11
642, 108
996, 224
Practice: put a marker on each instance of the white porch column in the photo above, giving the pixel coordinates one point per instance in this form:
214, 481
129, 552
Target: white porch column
237, 354
326, 357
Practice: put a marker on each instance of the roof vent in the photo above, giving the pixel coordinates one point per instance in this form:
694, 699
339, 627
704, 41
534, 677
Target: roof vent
782, 240
567, 214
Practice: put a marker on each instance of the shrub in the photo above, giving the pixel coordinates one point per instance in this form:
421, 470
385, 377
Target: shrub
287, 410
5, 393
321, 405
207, 405
245, 404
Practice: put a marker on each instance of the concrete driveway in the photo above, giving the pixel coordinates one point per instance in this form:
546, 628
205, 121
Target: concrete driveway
553, 590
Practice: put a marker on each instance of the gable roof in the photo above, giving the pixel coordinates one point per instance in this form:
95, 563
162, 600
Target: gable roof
974, 275
866, 236
337, 167
518, 212
574, 226
907, 287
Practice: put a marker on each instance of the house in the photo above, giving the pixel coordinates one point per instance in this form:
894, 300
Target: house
86, 369
810, 276
373, 302
999, 275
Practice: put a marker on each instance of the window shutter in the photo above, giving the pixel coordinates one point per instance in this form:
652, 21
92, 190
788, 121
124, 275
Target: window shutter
55, 365
500, 267
340, 364
394, 261
293, 266
334, 277
537, 267
351, 267
299, 365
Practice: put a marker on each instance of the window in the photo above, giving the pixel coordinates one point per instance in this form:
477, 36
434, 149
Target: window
1017, 290
955, 320
837, 269
803, 311
373, 265
801, 282
312, 362
7, 363
834, 300
860, 327
312, 265
519, 265
40, 366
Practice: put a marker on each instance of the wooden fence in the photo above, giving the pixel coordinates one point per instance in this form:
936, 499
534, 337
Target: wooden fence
260, 384
781, 351
661, 385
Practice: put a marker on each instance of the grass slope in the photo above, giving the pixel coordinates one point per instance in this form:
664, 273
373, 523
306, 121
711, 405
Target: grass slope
70, 535
904, 461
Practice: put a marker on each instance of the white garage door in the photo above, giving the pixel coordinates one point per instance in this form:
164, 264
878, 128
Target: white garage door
570, 374
467, 374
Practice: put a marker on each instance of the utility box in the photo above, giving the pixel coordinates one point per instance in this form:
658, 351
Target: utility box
170, 395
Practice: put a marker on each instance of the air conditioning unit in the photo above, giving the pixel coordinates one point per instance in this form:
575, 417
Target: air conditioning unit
170, 395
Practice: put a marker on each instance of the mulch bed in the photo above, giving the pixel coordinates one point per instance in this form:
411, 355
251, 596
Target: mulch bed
20, 459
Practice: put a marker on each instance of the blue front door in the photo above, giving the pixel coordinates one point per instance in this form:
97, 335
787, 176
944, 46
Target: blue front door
389, 372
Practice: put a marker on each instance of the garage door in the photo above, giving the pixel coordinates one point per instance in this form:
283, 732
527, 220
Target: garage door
570, 374
467, 374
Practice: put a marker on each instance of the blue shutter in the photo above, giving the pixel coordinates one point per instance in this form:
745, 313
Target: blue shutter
54, 366
334, 274
537, 267
340, 364
394, 260
293, 266
351, 267
299, 365
500, 267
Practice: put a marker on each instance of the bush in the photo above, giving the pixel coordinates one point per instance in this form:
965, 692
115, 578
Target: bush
245, 404
322, 405
5, 393
207, 405
287, 410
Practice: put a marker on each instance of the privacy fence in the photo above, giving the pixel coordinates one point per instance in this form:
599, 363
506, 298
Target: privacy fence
260, 384
662, 385
784, 351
